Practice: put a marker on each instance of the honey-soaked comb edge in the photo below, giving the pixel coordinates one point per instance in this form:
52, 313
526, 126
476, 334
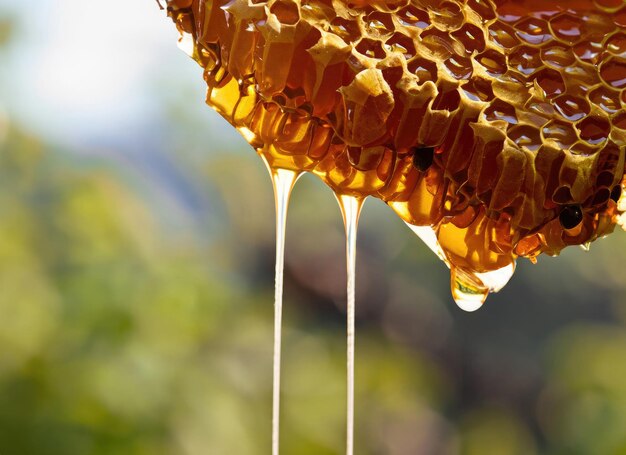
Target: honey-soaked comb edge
355, 110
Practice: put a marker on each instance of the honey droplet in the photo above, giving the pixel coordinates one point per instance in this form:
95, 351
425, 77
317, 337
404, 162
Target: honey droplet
468, 293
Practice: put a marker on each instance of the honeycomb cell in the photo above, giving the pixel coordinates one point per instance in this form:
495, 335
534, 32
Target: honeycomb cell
563, 196
557, 56
619, 121
606, 99
472, 38
286, 12
583, 149
601, 197
440, 45
459, 67
365, 158
525, 137
613, 72
347, 30
371, 48
594, 129
533, 30
500, 110
503, 35
413, 17
571, 107
590, 49
510, 12
447, 101
562, 133
379, 24
609, 5
525, 59
551, 82
620, 18
425, 70
447, 16
483, 8
567, 27
478, 89
616, 44
400, 44
493, 62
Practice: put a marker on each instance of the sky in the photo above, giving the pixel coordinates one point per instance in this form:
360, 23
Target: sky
83, 70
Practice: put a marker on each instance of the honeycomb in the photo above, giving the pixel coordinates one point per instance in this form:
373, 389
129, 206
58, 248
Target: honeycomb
497, 124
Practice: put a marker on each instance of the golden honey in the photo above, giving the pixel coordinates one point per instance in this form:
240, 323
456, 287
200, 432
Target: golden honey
499, 124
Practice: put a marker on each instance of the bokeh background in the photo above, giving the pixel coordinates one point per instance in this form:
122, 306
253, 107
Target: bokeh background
136, 282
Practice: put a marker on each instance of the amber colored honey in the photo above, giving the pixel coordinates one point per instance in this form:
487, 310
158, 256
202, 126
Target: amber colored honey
522, 100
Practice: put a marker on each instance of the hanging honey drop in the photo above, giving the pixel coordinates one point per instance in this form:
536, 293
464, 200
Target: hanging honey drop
468, 292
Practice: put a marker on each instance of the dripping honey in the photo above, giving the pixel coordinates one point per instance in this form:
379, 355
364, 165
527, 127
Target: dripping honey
520, 102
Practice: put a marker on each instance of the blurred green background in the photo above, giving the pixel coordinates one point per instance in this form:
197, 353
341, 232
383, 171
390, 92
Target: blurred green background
136, 283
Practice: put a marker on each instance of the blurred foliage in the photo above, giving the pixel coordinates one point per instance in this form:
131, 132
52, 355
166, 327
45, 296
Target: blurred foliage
121, 334
6, 30
118, 339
